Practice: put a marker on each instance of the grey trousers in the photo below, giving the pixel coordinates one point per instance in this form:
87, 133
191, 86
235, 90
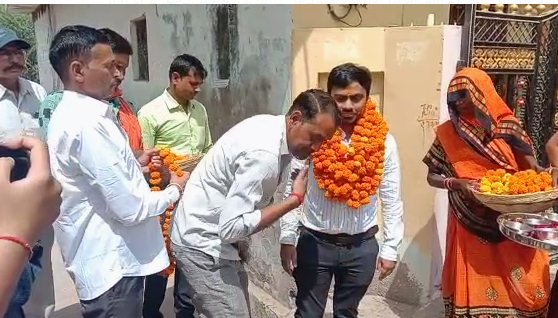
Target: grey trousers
123, 300
218, 287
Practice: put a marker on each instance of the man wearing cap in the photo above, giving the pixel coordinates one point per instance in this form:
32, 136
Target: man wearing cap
19, 109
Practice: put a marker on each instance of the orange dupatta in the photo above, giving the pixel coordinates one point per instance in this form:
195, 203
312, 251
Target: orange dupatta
128, 120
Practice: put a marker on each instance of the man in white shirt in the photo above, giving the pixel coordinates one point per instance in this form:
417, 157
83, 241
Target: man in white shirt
338, 240
19, 109
108, 231
19, 98
228, 198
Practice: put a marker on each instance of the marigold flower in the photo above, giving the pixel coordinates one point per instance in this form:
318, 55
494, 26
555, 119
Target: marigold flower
155, 181
351, 173
170, 161
500, 182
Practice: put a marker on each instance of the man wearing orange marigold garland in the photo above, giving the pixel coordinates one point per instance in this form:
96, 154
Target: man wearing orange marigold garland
228, 198
338, 221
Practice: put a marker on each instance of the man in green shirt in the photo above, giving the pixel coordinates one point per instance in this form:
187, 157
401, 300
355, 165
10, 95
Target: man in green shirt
175, 119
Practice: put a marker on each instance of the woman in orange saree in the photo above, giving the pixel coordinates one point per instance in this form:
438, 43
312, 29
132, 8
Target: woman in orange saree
484, 274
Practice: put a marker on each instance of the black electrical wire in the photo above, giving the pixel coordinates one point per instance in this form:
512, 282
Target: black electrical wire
341, 18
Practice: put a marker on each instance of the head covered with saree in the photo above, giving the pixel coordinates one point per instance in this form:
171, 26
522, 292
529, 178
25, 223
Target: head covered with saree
482, 134
480, 278
481, 117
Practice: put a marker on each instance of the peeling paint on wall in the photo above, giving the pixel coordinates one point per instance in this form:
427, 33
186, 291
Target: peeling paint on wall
182, 30
410, 51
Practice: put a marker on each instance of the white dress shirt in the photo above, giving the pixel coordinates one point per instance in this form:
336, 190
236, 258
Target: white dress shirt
326, 216
108, 226
19, 112
236, 178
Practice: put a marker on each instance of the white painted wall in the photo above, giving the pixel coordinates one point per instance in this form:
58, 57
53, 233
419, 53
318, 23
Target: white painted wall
259, 81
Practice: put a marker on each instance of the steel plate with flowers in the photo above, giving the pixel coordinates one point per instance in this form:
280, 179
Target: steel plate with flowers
538, 231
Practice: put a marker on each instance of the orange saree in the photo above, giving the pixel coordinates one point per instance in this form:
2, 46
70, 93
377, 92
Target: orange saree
482, 279
484, 274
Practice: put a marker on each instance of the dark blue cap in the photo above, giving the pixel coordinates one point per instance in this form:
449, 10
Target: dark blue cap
8, 36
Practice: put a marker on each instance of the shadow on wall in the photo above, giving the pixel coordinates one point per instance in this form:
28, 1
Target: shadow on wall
406, 288
257, 71
403, 286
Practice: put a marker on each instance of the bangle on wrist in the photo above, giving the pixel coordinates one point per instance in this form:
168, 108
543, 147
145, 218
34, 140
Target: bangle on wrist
180, 190
448, 183
299, 197
18, 241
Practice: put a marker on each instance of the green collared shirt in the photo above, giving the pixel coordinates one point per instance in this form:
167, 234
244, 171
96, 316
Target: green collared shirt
165, 123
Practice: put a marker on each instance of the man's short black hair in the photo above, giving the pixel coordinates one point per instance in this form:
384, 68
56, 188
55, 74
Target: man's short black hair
73, 42
345, 74
185, 63
313, 102
118, 43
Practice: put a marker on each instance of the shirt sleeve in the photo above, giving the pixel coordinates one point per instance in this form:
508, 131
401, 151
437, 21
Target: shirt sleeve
289, 221
392, 205
254, 173
117, 179
147, 131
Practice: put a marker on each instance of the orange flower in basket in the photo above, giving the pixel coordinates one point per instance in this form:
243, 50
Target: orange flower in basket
500, 182
352, 173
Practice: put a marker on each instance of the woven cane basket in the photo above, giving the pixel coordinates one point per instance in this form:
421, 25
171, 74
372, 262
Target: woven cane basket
521, 203
190, 163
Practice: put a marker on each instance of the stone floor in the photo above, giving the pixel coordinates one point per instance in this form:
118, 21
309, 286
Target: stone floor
371, 307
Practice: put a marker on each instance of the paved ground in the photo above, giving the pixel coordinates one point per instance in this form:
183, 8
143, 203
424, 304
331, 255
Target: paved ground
67, 305
371, 306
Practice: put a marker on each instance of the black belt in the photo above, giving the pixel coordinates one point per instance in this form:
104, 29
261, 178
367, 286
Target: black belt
346, 240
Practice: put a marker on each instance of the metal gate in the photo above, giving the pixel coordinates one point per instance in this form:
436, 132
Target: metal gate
517, 45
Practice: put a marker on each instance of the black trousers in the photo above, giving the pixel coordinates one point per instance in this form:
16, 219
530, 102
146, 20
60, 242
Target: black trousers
155, 289
123, 300
319, 261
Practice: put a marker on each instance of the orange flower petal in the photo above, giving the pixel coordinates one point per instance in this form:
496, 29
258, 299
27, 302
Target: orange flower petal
351, 173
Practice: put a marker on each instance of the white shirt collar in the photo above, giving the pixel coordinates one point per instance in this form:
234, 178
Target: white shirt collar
24, 88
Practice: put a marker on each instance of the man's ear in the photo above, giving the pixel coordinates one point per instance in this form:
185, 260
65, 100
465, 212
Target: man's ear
76, 70
295, 117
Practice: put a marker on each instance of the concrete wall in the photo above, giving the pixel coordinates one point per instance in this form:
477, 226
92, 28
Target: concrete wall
260, 53
374, 15
411, 67
259, 81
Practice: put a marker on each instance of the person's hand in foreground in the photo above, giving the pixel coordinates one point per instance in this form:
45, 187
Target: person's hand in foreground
27, 207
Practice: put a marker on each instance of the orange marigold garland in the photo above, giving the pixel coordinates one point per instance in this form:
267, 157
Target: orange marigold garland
155, 179
352, 173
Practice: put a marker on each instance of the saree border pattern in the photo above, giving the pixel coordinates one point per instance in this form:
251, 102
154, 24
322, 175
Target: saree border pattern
452, 311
